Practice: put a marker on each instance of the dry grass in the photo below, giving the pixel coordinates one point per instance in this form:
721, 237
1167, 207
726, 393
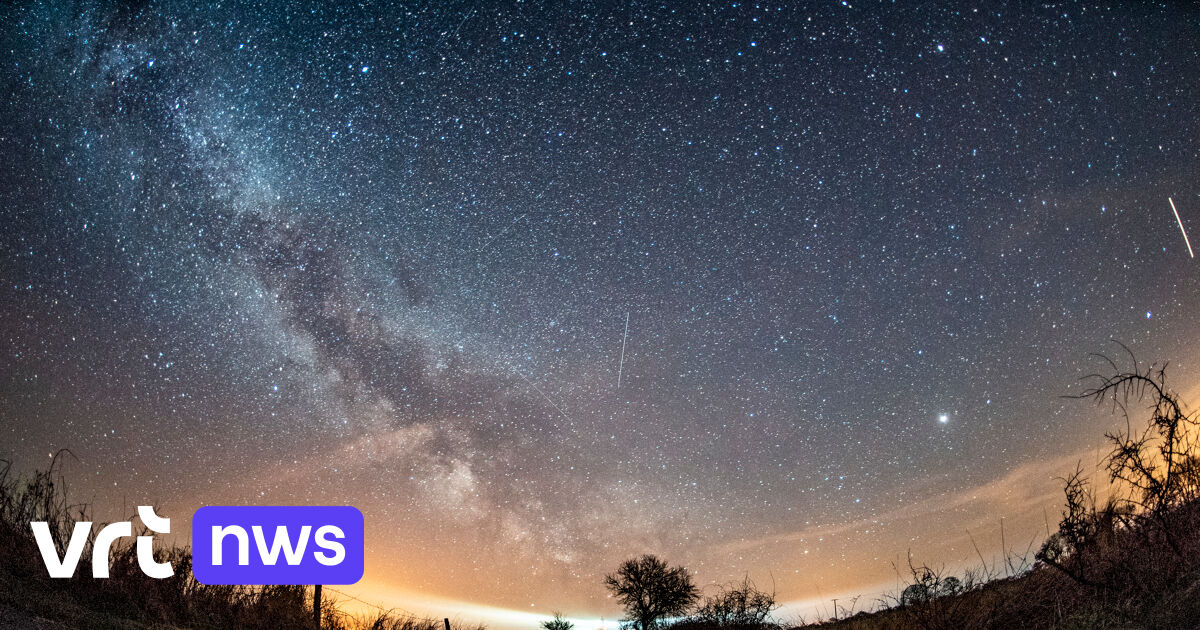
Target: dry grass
1133, 562
129, 599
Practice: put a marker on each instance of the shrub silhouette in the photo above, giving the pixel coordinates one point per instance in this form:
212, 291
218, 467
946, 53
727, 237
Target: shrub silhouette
650, 590
1124, 558
737, 605
1142, 543
929, 585
557, 623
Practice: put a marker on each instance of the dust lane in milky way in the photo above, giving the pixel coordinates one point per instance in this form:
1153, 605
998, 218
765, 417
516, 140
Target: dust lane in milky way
763, 289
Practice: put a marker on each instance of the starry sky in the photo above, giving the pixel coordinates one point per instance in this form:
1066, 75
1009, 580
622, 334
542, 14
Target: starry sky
767, 289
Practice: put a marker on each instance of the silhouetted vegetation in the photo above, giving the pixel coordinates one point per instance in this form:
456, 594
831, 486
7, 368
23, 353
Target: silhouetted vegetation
650, 591
654, 594
128, 599
738, 605
1143, 543
1131, 560
557, 623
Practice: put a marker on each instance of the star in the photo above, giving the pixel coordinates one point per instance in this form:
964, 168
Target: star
499, 270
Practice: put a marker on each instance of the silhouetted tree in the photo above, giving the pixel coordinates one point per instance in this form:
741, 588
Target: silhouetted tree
928, 585
650, 590
1142, 541
913, 594
557, 623
1158, 462
739, 604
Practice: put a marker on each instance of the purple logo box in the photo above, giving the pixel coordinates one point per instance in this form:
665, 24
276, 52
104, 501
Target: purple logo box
278, 545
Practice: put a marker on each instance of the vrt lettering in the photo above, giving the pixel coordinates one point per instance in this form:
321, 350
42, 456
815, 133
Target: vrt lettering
65, 567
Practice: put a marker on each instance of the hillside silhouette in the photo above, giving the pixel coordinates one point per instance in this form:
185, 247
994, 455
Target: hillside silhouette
1131, 560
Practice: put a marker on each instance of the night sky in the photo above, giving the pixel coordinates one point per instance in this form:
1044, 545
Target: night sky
385, 256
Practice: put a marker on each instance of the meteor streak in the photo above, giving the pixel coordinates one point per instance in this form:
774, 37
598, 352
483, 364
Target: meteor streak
621, 365
548, 399
1180, 222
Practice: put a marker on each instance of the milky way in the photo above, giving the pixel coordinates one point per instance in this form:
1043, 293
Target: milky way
386, 256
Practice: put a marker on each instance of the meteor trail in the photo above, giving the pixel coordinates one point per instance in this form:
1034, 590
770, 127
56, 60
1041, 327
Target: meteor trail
548, 399
485, 243
621, 365
1180, 222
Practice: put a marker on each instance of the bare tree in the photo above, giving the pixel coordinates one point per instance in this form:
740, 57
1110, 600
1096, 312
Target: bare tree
738, 604
650, 590
1140, 543
1157, 462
